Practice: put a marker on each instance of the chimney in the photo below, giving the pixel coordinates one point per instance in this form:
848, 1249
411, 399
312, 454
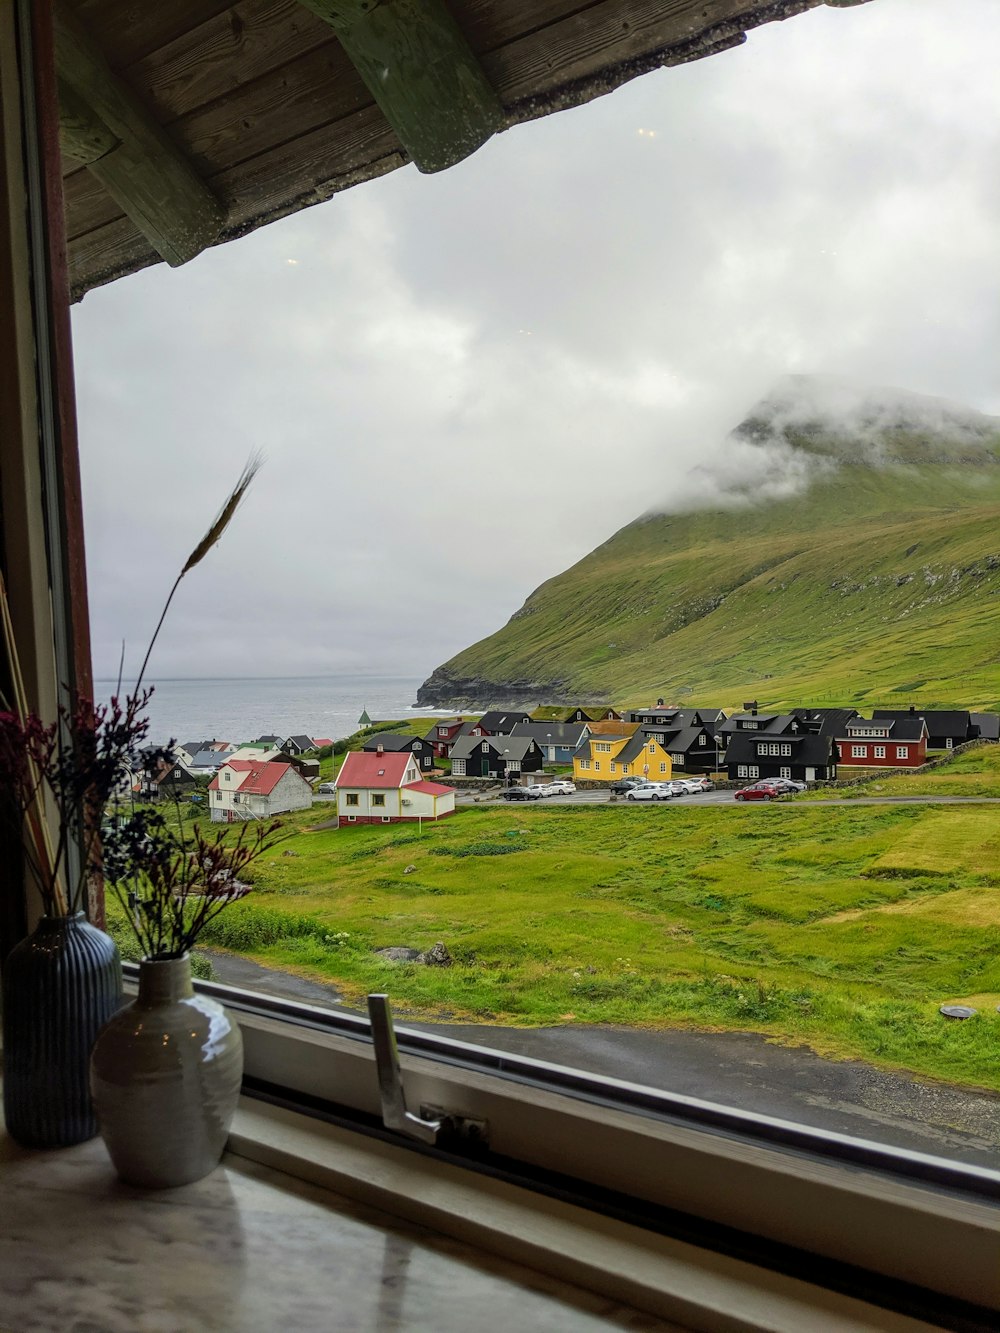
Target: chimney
912, 709
380, 749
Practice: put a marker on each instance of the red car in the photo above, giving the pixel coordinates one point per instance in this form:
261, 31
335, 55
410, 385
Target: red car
760, 791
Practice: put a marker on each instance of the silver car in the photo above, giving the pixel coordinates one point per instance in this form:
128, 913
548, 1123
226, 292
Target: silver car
650, 791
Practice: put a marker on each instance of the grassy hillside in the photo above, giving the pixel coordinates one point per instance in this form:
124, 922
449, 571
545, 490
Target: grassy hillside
879, 582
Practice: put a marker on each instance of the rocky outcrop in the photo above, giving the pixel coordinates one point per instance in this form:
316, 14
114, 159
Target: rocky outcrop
436, 956
442, 689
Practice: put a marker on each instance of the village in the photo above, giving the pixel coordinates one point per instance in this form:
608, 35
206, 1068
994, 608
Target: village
388, 773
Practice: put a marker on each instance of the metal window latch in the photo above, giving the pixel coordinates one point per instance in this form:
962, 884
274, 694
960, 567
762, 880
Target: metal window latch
432, 1122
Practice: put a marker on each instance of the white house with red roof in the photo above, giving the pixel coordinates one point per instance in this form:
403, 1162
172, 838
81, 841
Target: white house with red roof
385, 787
256, 789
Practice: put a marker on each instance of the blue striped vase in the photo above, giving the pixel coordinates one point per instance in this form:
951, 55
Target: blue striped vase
60, 986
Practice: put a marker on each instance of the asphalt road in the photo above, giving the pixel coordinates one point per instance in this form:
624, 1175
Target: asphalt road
730, 1068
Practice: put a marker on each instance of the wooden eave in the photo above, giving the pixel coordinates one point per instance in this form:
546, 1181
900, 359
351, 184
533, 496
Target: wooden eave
258, 111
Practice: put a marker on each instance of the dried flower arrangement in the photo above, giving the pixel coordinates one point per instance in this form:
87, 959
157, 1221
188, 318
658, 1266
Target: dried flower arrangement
172, 880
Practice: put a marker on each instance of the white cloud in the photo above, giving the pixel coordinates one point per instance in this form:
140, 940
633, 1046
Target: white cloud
465, 382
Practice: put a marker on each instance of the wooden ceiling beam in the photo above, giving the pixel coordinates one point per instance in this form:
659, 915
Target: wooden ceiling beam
421, 72
104, 126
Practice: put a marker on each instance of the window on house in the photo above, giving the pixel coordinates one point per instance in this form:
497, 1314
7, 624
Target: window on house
879, 751
352, 798
753, 771
597, 765
784, 772
786, 748
859, 751
614, 767
378, 798
902, 752
663, 768
741, 770
652, 748
702, 739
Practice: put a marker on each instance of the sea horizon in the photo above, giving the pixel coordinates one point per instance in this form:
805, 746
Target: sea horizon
241, 708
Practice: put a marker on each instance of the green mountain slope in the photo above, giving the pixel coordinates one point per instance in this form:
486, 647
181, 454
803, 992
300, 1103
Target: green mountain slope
878, 581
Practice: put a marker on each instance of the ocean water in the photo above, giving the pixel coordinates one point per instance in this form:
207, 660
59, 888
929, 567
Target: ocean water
242, 710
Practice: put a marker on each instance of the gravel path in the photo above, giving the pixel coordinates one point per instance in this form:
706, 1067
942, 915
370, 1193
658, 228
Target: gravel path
732, 1068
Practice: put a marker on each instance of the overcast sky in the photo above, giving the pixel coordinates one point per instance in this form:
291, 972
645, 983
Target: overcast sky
462, 383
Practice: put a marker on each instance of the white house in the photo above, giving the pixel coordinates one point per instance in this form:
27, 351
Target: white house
251, 789
384, 787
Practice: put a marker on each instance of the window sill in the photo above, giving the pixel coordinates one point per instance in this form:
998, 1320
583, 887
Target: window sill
849, 1225
685, 1284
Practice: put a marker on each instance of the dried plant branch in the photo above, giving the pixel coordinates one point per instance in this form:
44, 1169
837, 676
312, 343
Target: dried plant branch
211, 537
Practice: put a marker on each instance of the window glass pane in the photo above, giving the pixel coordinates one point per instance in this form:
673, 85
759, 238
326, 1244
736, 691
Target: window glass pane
406, 383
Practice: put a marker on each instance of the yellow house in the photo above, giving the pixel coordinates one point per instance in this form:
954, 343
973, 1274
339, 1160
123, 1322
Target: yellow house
604, 758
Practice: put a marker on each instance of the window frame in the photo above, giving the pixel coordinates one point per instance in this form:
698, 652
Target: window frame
839, 1201
795, 1194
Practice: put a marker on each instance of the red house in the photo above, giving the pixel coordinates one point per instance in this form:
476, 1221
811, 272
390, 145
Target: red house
443, 734
883, 742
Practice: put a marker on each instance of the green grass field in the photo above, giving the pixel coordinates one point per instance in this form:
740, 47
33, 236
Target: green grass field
841, 928
974, 773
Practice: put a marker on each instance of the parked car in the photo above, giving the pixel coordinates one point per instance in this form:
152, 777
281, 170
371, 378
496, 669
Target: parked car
558, 787
326, 789
788, 784
522, 793
760, 791
650, 791
622, 785
687, 786
700, 784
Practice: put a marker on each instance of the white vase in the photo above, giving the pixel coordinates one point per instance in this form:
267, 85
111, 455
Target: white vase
165, 1078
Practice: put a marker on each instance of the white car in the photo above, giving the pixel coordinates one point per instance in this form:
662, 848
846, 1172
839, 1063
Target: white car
650, 791
326, 789
558, 787
691, 786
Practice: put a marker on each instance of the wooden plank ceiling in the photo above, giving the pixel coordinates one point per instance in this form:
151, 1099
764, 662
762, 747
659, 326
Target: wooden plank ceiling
187, 123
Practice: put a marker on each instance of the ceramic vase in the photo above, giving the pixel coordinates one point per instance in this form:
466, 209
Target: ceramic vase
165, 1076
60, 986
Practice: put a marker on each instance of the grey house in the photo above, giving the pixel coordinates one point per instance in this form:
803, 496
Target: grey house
558, 740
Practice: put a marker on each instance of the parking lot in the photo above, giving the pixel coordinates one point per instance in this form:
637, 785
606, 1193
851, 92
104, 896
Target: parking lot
594, 798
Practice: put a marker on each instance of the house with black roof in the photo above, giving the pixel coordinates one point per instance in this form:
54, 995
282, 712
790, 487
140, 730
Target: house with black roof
559, 741
824, 721
946, 727
499, 722
298, 744
692, 748
883, 742
393, 743
495, 756
987, 725
676, 716
444, 733
776, 745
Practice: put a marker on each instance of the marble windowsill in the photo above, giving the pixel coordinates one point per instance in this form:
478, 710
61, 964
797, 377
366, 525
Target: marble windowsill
248, 1248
